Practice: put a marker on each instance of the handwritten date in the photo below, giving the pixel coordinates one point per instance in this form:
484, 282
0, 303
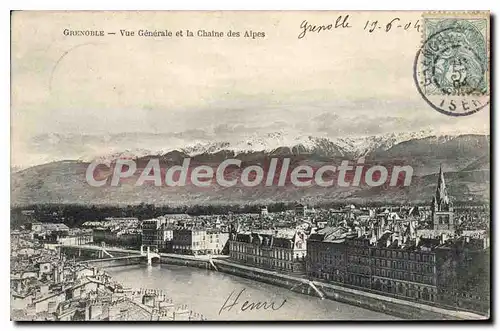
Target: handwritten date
393, 24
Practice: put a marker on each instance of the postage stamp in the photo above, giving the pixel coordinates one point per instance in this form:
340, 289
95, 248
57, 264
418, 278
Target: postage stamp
451, 68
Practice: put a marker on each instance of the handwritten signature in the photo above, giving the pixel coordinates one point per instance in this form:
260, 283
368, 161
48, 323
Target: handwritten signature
248, 305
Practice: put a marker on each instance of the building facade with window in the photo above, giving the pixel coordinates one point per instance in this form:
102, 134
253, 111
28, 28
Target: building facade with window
189, 241
327, 254
281, 250
449, 272
216, 241
156, 234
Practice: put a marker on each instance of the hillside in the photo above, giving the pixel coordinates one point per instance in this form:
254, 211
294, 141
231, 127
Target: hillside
464, 158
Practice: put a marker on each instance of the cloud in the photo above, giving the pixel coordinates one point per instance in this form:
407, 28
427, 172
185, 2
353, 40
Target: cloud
158, 94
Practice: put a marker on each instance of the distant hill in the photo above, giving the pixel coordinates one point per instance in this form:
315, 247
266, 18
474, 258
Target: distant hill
465, 159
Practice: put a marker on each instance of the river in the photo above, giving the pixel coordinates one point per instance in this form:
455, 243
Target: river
206, 292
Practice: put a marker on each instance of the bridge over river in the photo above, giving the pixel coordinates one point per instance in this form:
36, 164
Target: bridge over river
91, 252
109, 253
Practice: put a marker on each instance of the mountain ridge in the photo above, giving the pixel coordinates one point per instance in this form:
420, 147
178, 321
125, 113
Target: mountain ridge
465, 159
349, 148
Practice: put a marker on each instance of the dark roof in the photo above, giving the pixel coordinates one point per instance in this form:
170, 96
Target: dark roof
382, 241
266, 239
55, 227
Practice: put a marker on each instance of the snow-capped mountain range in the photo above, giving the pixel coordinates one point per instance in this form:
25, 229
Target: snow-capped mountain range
464, 157
105, 148
269, 143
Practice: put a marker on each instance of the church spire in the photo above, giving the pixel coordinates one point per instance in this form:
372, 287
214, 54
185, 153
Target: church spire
442, 199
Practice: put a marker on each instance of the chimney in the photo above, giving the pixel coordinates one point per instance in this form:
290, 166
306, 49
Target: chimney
412, 229
373, 239
87, 311
61, 273
55, 275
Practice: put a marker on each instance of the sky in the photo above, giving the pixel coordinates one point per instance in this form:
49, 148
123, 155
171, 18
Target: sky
77, 96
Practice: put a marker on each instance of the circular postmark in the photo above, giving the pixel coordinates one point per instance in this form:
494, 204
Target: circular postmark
451, 67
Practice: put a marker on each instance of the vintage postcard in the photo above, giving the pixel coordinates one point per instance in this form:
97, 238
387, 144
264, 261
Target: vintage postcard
265, 165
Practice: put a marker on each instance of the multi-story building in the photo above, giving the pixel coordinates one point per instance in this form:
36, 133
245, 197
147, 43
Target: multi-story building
405, 270
49, 227
189, 241
216, 241
326, 251
391, 258
282, 250
427, 270
463, 275
49, 232
156, 234
358, 259
77, 237
130, 238
197, 240
59, 233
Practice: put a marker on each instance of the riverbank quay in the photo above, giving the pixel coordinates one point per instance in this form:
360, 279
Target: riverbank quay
384, 304
388, 305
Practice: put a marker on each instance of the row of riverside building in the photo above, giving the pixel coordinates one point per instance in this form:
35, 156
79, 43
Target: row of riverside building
452, 272
167, 235
384, 254
282, 250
